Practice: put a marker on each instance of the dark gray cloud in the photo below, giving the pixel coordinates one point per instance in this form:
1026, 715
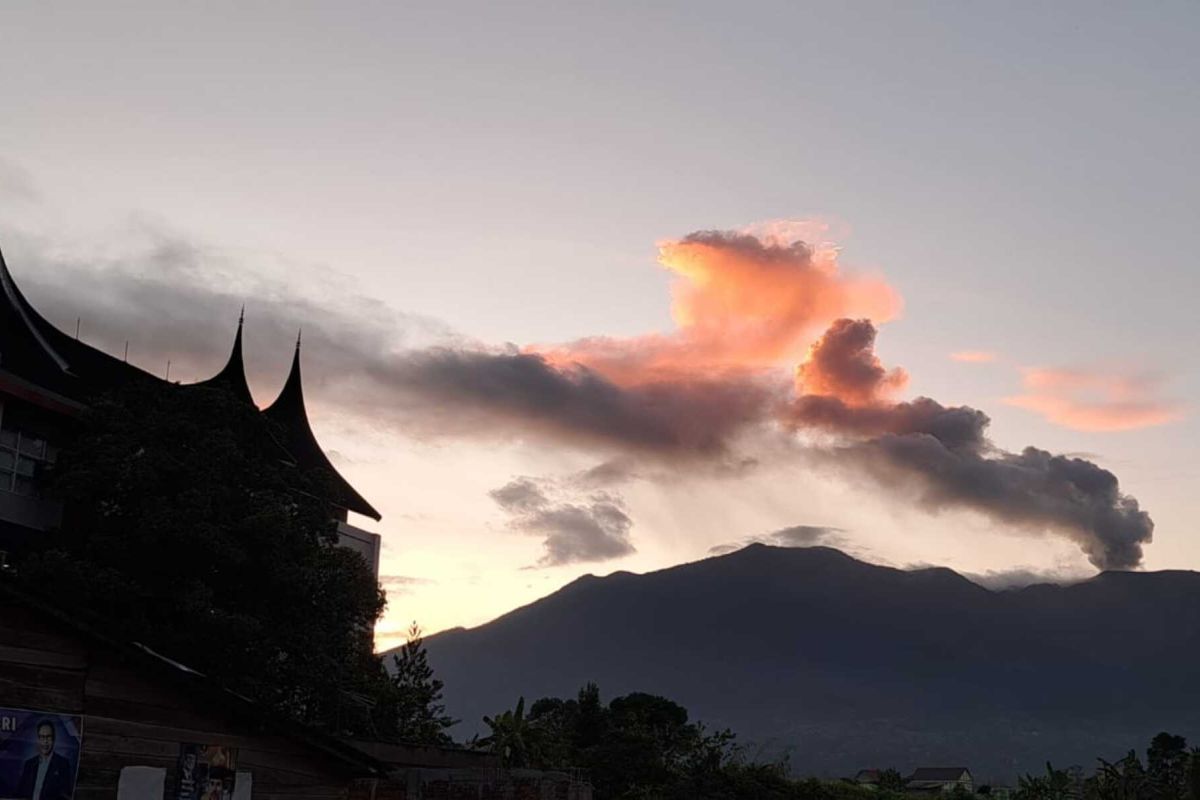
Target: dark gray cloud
481, 391
1033, 489
943, 458
520, 496
793, 536
574, 528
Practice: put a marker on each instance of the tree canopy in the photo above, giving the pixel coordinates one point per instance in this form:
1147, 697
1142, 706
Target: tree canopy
188, 529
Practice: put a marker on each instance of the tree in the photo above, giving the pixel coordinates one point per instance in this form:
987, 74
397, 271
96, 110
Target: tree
1054, 785
1167, 766
1122, 780
890, 780
512, 738
420, 715
186, 529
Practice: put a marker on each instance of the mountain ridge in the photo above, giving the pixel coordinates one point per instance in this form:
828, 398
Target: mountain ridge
844, 664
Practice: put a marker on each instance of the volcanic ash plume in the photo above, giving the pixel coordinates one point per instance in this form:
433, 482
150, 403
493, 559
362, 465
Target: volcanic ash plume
943, 456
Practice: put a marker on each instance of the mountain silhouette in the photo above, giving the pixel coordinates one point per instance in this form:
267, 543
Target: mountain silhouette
842, 665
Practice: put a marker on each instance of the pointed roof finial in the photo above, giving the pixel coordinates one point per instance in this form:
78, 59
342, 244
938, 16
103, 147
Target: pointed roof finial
299, 332
233, 375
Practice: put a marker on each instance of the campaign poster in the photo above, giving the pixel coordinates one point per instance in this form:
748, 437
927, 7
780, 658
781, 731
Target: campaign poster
206, 772
39, 754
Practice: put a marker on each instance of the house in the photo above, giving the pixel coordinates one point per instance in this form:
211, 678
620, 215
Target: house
47, 379
939, 779
110, 710
867, 777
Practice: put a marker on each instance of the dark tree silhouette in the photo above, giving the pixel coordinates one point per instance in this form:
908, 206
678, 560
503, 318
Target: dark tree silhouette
420, 714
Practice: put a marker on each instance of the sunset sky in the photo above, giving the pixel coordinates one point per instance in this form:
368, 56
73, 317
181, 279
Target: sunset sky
546, 259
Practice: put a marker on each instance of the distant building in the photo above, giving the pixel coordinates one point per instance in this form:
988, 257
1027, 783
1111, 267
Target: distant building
868, 777
939, 779
46, 380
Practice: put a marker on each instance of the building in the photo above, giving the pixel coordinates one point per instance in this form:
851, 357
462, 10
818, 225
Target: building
868, 778
46, 380
117, 712
116, 709
939, 779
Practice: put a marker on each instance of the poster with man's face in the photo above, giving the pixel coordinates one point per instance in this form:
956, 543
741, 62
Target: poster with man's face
39, 754
206, 772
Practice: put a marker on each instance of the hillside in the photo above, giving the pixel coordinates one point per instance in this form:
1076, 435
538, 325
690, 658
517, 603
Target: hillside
844, 664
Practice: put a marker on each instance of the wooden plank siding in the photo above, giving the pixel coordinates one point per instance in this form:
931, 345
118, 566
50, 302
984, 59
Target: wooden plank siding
137, 716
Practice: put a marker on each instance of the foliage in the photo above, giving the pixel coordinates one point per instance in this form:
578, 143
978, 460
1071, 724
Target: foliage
513, 738
642, 746
417, 695
1054, 785
1167, 766
1121, 780
890, 780
187, 530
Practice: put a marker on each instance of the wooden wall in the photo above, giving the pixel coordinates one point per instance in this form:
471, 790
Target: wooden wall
131, 716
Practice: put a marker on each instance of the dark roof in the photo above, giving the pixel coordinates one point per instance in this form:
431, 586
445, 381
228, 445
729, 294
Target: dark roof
289, 412
45, 358
938, 773
196, 684
233, 375
34, 349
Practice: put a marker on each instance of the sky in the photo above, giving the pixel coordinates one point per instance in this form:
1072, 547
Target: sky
584, 288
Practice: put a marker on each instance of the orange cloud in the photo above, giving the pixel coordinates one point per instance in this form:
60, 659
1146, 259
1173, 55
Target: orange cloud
742, 301
973, 356
1086, 400
843, 364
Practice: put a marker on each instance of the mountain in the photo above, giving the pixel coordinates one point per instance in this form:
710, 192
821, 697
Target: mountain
845, 665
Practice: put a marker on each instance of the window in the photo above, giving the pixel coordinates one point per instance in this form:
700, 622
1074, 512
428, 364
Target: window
22, 456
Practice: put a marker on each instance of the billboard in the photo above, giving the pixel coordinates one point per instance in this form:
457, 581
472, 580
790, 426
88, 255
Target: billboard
39, 754
206, 772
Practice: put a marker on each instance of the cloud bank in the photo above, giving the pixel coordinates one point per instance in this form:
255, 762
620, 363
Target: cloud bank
772, 338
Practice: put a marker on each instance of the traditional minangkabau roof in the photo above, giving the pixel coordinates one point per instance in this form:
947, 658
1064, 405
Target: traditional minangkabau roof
35, 350
233, 375
289, 412
37, 358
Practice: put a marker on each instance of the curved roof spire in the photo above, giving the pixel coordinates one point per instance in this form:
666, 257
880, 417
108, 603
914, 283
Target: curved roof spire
30, 346
25, 317
289, 412
233, 375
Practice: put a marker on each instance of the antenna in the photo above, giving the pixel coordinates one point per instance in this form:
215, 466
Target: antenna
167, 377
77, 321
126, 351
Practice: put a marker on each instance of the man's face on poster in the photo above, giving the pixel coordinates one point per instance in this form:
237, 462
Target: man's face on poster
189, 763
45, 739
